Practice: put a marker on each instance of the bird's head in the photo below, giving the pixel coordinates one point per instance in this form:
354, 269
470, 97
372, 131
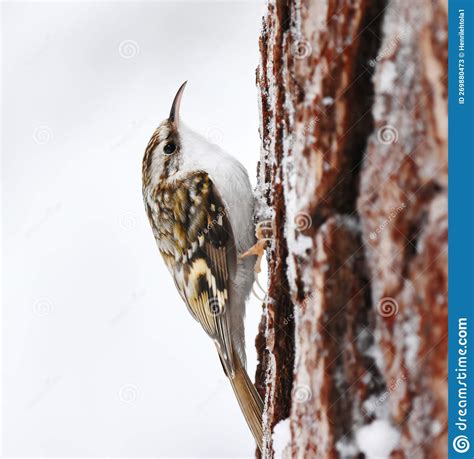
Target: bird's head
163, 154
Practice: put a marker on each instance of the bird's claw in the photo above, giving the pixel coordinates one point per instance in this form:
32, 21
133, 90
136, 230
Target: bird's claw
264, 234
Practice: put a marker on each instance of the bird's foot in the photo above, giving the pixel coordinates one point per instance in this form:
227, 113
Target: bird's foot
264, 234
264, 230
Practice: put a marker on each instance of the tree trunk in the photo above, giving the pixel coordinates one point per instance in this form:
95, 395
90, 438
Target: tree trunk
353, 174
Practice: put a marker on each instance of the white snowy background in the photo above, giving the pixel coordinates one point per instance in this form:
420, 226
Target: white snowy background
99, 355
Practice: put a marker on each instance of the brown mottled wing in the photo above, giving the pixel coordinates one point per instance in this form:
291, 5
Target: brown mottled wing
205, 264
210, 269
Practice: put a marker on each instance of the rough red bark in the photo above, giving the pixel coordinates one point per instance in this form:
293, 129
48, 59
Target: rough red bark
354, 173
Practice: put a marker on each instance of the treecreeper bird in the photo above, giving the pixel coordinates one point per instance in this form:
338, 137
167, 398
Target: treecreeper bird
200, 206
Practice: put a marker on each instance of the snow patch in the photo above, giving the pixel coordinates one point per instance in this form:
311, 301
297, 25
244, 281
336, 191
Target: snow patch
387, 77
269, 394
346, 448
302, 244
377, 440
376, 353
282, 439
411, 329
328, 101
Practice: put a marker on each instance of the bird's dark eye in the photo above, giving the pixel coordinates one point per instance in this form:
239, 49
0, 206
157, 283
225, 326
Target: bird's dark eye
170, 147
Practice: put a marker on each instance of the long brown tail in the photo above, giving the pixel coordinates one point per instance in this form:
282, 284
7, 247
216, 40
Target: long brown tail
249, 400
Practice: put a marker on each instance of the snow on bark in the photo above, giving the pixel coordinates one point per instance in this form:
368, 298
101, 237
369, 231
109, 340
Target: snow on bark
353, 173
404, 182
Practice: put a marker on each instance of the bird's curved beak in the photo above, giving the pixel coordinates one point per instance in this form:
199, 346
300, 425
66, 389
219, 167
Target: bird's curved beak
174, 112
